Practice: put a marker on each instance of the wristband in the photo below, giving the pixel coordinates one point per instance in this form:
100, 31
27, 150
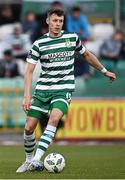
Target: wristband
104, 70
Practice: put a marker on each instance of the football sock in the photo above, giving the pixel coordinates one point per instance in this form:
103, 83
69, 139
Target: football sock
29, 145
45, 141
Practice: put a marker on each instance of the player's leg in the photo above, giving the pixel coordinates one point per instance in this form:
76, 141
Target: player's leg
29, 137
34, 114
59, 107
44, 121
46, 138
29, 142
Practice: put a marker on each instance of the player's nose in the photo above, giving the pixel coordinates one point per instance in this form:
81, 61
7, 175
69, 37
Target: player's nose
58, 23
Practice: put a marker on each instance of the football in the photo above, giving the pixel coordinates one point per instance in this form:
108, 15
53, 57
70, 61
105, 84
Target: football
54, 162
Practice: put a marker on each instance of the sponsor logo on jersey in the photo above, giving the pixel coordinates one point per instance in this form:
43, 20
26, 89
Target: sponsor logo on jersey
59, 55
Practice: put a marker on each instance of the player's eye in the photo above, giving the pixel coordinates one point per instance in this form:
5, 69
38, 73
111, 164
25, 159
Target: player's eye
55, 20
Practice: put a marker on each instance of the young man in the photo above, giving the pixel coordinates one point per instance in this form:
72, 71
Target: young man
55, 50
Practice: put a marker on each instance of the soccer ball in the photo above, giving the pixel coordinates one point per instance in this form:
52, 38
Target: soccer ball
54, 162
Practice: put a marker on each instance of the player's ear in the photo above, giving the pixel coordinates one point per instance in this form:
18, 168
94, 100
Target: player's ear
47, 20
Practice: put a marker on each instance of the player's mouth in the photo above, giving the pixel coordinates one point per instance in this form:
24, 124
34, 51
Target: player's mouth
57, 29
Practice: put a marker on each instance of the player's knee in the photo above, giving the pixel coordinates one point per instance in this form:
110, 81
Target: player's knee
29, 127
54, 120
28, 130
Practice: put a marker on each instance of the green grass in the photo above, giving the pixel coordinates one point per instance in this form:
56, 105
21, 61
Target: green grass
82, 162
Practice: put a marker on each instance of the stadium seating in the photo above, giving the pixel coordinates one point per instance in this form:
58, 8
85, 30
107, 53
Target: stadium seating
120, 68
100, 87
80, 85
102, 31
11, 96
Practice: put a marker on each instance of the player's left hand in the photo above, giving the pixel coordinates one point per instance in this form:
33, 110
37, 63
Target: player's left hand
111, 75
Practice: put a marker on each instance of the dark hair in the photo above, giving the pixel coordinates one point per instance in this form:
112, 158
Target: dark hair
75, 8
30, 12
58, 12
118, 31
54, 3
8, 52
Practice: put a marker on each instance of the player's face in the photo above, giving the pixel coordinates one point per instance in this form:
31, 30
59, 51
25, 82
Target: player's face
118, 37
55, 23
75, 14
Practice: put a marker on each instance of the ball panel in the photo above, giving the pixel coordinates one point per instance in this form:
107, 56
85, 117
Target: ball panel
54, 162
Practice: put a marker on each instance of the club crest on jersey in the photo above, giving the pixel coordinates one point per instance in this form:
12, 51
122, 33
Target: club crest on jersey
68, 43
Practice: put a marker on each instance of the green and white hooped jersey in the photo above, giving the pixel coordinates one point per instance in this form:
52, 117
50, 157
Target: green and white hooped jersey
56, 56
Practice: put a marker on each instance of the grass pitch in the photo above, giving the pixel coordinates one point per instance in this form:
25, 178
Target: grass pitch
82, 162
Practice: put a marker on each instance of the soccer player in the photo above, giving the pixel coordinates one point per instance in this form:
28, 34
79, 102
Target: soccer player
55, 50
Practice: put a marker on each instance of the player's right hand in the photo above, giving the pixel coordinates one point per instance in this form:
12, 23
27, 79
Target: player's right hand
26, 103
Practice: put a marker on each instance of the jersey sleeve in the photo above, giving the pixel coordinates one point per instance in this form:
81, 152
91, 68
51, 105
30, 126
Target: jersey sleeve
34, 54
79, 47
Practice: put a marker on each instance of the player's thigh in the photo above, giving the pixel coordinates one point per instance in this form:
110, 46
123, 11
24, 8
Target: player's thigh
55, 116
38, 109
61, 101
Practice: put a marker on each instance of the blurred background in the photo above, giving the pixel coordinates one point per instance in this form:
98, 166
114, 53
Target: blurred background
97, 111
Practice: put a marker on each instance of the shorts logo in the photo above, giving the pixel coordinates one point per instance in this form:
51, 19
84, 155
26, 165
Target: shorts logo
68, 96
32, 101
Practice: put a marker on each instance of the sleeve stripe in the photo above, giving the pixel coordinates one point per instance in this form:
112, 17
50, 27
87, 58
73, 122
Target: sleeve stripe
35, 48
77, 42
35, 53
31, 61
82, 50
79, 48
34, 57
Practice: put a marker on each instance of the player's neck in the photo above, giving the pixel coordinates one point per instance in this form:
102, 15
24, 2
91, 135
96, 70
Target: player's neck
54, 35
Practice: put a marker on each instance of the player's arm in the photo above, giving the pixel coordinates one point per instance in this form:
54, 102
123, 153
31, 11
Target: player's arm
93, 61
27, 85
32, 60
